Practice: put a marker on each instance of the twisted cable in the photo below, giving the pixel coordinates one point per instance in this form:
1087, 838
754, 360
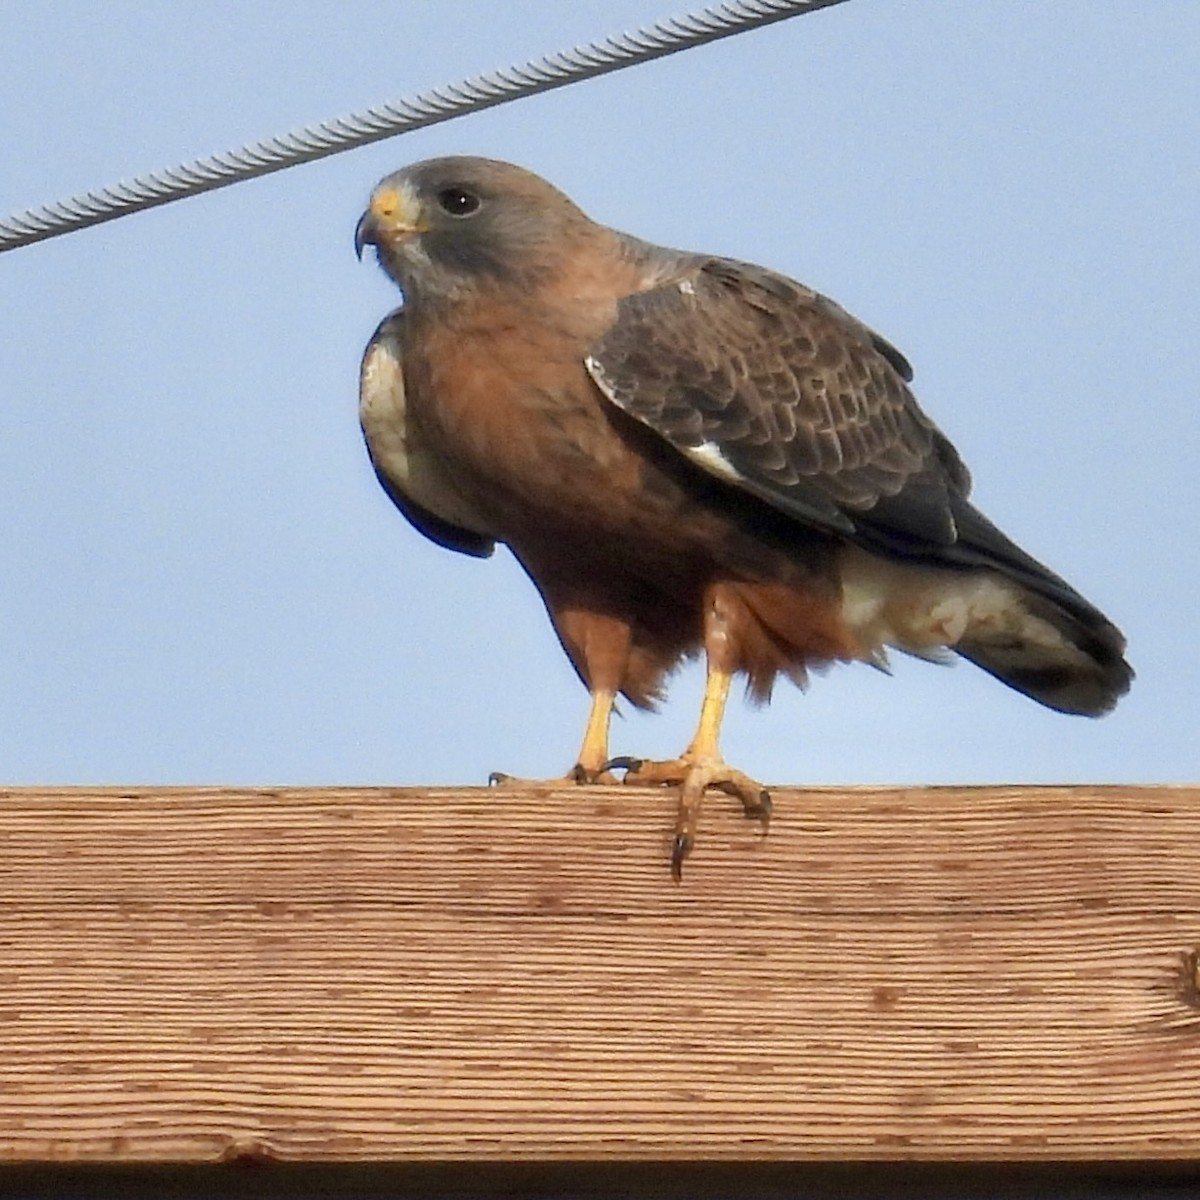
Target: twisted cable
387, 120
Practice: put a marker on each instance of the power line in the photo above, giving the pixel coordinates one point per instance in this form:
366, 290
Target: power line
388, 120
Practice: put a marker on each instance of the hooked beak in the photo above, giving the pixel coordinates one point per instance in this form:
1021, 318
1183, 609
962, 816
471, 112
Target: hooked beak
393, 213
364, 234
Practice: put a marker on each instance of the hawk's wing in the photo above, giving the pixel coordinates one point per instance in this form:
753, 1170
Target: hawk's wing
774, 388
780, 392
412, 482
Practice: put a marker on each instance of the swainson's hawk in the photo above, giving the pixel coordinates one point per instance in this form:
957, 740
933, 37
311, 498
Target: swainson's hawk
686, 453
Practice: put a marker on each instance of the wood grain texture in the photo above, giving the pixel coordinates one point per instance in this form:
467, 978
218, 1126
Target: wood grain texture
414, 974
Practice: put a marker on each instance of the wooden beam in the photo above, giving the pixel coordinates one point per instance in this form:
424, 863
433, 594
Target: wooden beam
448, 974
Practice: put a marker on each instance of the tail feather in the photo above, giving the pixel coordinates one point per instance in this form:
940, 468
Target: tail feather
1067, 660
1056, 647
1011, 617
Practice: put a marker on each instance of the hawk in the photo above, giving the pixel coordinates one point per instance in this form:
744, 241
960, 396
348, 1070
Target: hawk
686, 453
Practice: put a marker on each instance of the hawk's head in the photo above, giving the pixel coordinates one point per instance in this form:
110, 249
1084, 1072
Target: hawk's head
447, 224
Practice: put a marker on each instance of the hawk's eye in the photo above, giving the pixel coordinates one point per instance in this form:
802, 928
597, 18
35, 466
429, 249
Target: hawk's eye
458, 202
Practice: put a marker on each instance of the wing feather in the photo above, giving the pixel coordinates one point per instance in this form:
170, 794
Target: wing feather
412, 482
776, 389
772, 386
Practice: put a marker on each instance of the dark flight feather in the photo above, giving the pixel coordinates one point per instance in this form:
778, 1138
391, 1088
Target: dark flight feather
443, 533
806, 407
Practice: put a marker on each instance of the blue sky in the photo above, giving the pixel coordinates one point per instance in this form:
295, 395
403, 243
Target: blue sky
202, 582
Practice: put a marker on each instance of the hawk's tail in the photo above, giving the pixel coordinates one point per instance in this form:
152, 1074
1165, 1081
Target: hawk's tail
1011, 616
1069, 660
1053, 645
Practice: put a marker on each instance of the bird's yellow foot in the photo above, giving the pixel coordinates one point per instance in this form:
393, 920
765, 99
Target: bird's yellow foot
693, 774
592, 765
577, 776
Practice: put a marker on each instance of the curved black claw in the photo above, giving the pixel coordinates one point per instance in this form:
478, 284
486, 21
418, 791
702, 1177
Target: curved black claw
762, 810
623, 762
756, 805
680, 849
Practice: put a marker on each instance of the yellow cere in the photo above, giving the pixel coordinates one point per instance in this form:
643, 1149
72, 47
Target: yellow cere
397, 208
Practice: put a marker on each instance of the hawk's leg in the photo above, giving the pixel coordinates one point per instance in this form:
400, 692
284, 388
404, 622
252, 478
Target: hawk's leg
593, 754
592, 763
700, 767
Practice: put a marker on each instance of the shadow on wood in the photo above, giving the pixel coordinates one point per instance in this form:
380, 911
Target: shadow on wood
606, 1180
